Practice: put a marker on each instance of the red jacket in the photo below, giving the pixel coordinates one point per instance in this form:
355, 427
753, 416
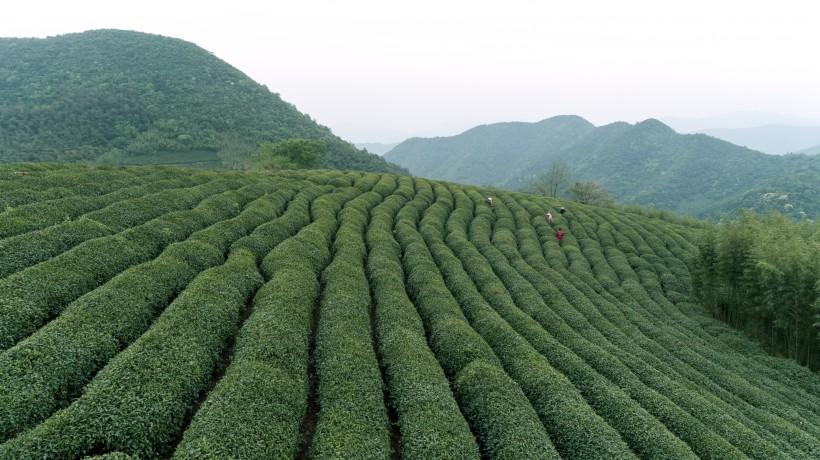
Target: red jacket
559, 235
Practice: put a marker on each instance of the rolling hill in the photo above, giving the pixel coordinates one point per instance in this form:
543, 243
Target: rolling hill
129, 98
647, 163
500, 154
157, 312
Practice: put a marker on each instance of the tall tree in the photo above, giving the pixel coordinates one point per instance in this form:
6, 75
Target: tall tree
762, 275
289, 154
589, 193
551, 181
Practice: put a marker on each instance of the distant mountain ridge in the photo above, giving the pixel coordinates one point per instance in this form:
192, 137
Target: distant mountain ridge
772, 139
132, 97
647, 163
736, 120
811, 150
500, 154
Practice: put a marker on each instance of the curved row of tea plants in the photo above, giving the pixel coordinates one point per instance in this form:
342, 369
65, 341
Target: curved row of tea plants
156, 313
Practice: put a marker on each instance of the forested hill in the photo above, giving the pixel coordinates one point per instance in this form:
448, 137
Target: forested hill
134, 97
647, 163
500, 154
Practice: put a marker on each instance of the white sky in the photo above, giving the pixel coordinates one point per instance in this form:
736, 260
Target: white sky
386, 70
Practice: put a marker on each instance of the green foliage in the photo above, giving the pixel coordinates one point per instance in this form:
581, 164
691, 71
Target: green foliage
487, 391
583, 360
546, 387
589, 193
552, 180
762, 275
122, 97
234, 421
266, 236
647, 164
139, 400
430, 421
457, 345
112, 456
357, 315
30, 248
288, 154
34, 295
94, 328
42, 214
352, 420
793, 195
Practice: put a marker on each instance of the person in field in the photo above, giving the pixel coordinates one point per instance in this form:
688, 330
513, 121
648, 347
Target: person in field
559, 235
490, 201
549, 216
562, 210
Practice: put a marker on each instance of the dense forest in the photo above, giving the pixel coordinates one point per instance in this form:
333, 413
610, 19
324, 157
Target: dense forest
762, 275
129, 97
647, 163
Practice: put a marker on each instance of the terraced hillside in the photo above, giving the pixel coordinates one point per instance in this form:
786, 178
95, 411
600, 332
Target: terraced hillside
159, 313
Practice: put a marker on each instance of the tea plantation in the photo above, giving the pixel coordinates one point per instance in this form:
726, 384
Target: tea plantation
153, 312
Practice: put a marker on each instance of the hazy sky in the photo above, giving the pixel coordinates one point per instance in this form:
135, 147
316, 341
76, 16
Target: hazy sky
386, 70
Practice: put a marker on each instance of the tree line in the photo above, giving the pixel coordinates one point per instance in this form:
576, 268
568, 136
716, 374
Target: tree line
553, 182
762, 275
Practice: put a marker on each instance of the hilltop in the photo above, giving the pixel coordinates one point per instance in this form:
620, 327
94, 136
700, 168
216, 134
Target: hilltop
157, 312
646, 163
500, 154
130, 97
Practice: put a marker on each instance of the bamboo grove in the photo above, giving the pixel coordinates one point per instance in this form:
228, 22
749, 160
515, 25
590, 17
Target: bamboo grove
762, 275
152, 312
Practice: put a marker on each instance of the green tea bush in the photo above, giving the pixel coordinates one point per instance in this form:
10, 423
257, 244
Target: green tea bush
352, 419
34, 295
662, 382
429, 419
253, 412
456, 344
137, 404
99, 324
648, 439
31, 248
486, 389
43, 214
400, 317
576, 430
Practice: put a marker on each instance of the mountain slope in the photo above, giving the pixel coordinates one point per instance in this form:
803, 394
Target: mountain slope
795, 195
120, 95
203, 314
650, 164
647, 163
497, 154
